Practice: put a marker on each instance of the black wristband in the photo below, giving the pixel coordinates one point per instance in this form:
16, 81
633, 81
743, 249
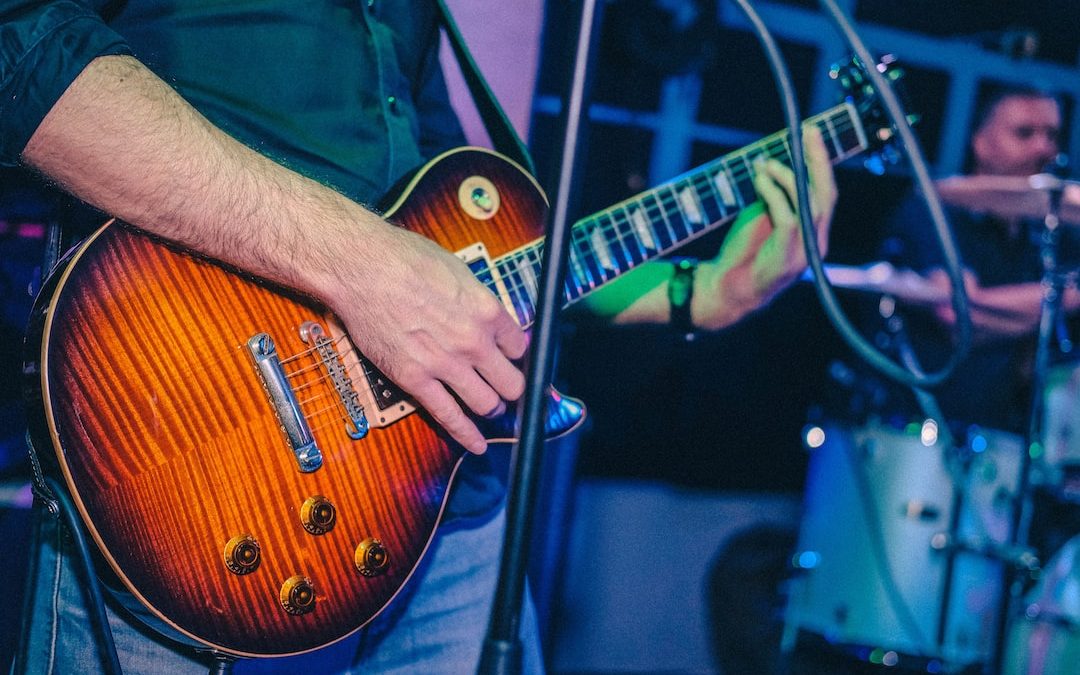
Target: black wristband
680, 293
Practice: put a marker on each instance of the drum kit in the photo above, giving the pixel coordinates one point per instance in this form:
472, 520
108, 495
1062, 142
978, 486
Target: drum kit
910, 553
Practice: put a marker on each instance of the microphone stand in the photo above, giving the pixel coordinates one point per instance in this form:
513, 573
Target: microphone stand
1053, 284
502, 650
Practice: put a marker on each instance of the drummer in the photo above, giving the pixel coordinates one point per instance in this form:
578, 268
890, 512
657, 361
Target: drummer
1015, 134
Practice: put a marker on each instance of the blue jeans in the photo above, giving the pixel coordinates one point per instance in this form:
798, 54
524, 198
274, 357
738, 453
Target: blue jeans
436, 625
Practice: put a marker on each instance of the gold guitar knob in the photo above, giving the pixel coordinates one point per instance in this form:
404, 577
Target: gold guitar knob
242, 554
318, 515
371, 557
297, 595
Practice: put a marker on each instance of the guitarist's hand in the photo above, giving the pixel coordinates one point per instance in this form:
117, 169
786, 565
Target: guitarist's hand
764, 251
433, 329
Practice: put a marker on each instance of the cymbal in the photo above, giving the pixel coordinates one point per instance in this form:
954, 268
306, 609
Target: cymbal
882, 278
1012, 196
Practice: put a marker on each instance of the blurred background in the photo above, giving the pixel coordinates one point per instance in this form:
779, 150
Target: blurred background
670, 529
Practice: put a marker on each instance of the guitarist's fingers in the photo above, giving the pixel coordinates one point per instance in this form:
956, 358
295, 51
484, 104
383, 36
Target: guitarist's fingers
784, 179
442, 406
503, 376
477, 394
822, 184
771, 192
509, 337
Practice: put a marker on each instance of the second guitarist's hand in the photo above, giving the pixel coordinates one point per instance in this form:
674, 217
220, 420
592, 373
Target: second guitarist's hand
123, 140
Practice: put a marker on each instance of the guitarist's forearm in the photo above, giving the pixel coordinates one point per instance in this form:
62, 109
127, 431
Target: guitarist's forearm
124, 141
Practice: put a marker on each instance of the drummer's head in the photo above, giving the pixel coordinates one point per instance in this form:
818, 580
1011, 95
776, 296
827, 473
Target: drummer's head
1016, 133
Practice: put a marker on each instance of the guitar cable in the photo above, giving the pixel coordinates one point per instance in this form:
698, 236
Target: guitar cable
909, 373
99, 616
860, 345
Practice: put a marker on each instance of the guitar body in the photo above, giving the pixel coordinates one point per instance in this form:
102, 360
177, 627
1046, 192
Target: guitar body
168, 442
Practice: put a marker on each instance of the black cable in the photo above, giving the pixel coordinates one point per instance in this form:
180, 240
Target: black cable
937, 214
906, 374
93, 586
860, 345
876, 539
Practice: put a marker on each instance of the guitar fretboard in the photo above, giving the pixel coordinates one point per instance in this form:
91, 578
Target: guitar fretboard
614, 241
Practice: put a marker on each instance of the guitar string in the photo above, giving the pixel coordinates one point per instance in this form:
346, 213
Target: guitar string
333, 343
699, 178
772, 146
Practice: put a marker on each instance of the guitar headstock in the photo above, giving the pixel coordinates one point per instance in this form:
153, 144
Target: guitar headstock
859, 90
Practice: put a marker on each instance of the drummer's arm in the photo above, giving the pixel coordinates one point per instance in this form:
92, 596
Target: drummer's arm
1007, 311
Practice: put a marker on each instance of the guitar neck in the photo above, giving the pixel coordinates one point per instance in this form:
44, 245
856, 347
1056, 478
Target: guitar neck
614, 241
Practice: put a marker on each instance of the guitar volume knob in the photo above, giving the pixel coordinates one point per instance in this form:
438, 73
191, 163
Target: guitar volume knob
297, 595
371, 557
318, 515
242, 554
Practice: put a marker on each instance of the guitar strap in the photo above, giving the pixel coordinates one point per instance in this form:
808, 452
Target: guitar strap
497, 124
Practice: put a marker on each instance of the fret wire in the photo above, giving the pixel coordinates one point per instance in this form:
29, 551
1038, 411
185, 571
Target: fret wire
511, 288
577, 236
663, 214
528, 279
833, 123
516, 289
596, 269
833, 137
622, 216
603, 247
583, 247
642, 248
679, 209
635, 249
576, 270
620, 248
640, 207
710, 187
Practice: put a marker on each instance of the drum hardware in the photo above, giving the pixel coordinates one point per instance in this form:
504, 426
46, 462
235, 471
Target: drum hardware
895, 325
1045, 639
882, 278
1029, 197
1023, 558
1060, 202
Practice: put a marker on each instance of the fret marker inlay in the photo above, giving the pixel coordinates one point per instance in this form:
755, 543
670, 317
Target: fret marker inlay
527, 275
688, 201
643, 229
723, 185
600, 247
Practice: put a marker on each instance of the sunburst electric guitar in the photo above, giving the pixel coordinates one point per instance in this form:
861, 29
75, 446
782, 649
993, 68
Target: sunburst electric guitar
254, 485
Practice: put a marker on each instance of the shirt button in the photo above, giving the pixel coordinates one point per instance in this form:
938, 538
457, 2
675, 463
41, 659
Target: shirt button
393, 103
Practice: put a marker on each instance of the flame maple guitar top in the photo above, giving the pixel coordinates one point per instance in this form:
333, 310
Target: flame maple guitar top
168, 442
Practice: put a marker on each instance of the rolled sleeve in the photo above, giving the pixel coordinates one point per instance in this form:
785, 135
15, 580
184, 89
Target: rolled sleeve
43, 48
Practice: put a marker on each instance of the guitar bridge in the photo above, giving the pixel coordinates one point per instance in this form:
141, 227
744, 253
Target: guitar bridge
314, 334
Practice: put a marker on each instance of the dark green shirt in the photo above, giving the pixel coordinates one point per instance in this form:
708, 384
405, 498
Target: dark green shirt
349, 93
